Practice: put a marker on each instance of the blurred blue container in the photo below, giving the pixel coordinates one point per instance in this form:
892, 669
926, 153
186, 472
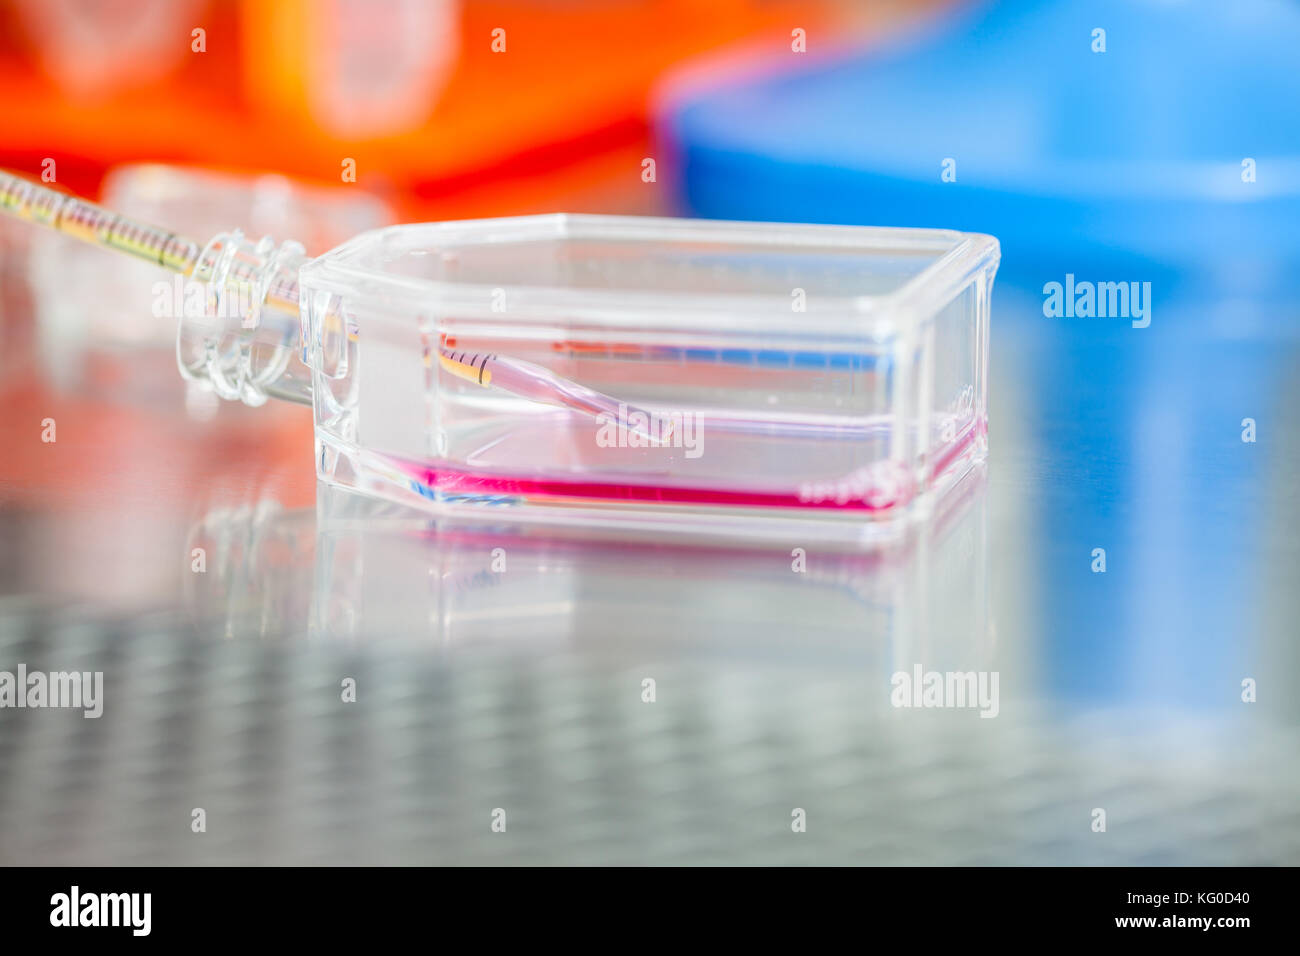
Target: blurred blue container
1072, 157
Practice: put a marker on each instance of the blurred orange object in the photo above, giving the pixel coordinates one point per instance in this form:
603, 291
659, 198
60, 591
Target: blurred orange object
430, 100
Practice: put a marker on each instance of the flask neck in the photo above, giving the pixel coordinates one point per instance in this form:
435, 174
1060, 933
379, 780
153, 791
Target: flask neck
238, 329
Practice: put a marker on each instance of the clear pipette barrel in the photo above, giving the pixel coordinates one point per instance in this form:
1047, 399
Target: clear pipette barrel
96, 225
247, 341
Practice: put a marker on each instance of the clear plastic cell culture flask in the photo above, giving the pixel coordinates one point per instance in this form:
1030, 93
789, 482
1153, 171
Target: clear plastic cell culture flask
744, 379
749, 380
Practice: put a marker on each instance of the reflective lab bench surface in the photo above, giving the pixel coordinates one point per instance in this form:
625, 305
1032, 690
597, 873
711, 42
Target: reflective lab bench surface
655, 702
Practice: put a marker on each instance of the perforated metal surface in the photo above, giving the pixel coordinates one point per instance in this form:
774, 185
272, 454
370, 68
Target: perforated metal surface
256, 733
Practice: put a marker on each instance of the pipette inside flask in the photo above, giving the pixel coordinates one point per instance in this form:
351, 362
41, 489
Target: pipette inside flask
246, 339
